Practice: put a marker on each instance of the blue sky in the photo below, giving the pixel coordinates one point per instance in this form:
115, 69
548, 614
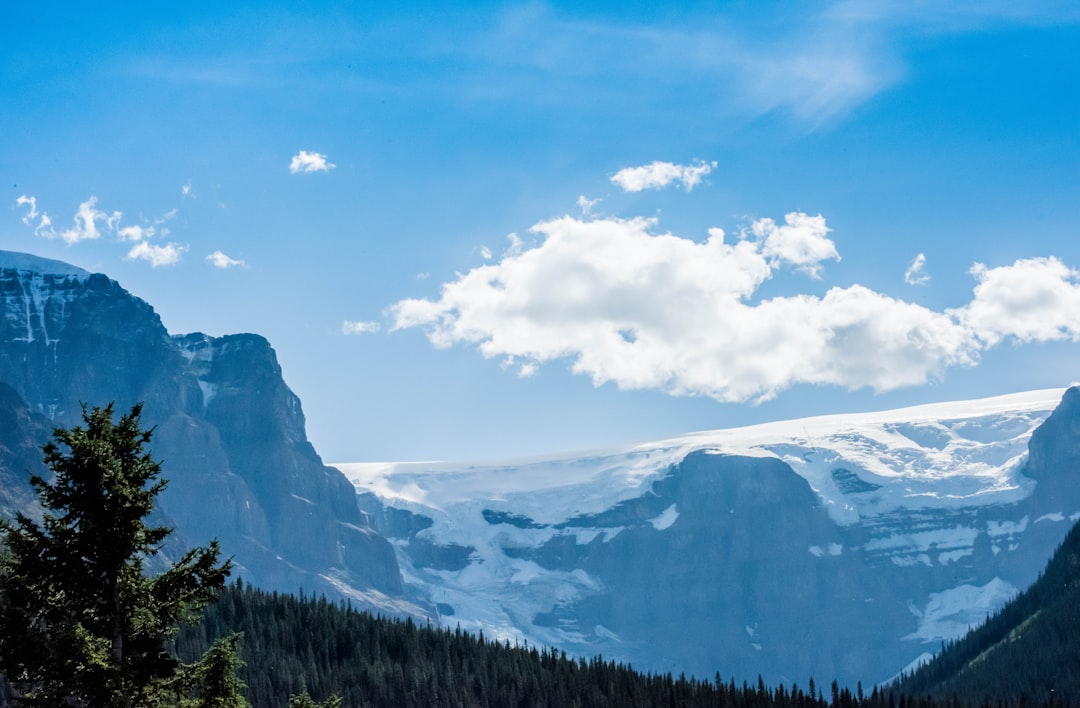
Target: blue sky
500, 229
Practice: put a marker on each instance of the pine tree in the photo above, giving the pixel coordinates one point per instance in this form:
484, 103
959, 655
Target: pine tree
80, 622
213, 678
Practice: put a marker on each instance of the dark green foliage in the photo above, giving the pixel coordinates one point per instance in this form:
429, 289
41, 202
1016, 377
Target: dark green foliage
295, 648
305, 701
1027, 654
80, 622
213, 679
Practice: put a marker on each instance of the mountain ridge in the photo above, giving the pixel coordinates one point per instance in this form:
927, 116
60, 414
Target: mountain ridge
898, 529
229, 430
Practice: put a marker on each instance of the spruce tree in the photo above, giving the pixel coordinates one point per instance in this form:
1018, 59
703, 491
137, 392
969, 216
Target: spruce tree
213, 678
81, 623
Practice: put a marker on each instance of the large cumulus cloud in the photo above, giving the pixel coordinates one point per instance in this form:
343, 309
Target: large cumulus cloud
625, 303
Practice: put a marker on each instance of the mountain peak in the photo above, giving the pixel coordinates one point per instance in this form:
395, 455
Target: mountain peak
13, 260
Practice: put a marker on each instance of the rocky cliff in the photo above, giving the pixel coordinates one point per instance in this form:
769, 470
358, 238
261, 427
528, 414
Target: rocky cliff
228, 429
843, 547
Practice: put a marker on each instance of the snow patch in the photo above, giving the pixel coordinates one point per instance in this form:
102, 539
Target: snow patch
25, 262
959, 537
209, 390
953, 556
951, 613
666, 518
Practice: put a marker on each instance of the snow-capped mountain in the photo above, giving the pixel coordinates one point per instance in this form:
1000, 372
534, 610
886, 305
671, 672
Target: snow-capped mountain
230, 431
841, 547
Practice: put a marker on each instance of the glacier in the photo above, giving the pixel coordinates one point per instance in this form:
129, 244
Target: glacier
882, 533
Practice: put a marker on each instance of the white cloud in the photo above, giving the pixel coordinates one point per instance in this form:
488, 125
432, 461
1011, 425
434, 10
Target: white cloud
802, 241
916, 272
156, 256
91, 223
586, 205
306, 162
135, 233
185, 190
44, 225
625, 304
85, 226
351, 327
33, 213
1032, 300
86, 223
486, 253
657, 175
220, 260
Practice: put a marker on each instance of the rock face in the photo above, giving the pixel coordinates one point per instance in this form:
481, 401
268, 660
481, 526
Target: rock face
229, 431
840, 547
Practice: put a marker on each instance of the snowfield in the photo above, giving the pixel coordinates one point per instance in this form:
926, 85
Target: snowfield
904, 488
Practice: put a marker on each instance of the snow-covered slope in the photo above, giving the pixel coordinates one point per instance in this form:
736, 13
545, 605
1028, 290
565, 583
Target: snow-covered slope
839, 546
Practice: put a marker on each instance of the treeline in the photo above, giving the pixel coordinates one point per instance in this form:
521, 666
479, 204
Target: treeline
295, 644
1028, 653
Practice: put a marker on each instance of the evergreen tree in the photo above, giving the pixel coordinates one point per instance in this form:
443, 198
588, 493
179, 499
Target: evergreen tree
81, 624
213, 678
303, 700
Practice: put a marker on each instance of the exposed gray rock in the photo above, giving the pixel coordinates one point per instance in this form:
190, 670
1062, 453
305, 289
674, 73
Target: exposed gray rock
229, 431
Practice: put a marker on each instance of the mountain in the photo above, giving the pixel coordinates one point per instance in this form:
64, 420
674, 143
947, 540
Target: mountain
228, 429
1025, 654
842, 547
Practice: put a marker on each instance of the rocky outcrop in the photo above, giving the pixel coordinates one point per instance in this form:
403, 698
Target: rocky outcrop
229, 430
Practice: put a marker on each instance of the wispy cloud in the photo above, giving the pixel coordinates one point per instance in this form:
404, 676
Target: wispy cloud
648, 310
802, 61
586, 205
135, 233
157, 256
219, 260
812, 61
90, 224
305, 162
33, 213
44, 225
916, 273
656, 175
85, 224
357, 327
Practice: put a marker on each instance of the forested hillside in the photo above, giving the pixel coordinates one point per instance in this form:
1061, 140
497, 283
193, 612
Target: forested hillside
295, 644
1028, 653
